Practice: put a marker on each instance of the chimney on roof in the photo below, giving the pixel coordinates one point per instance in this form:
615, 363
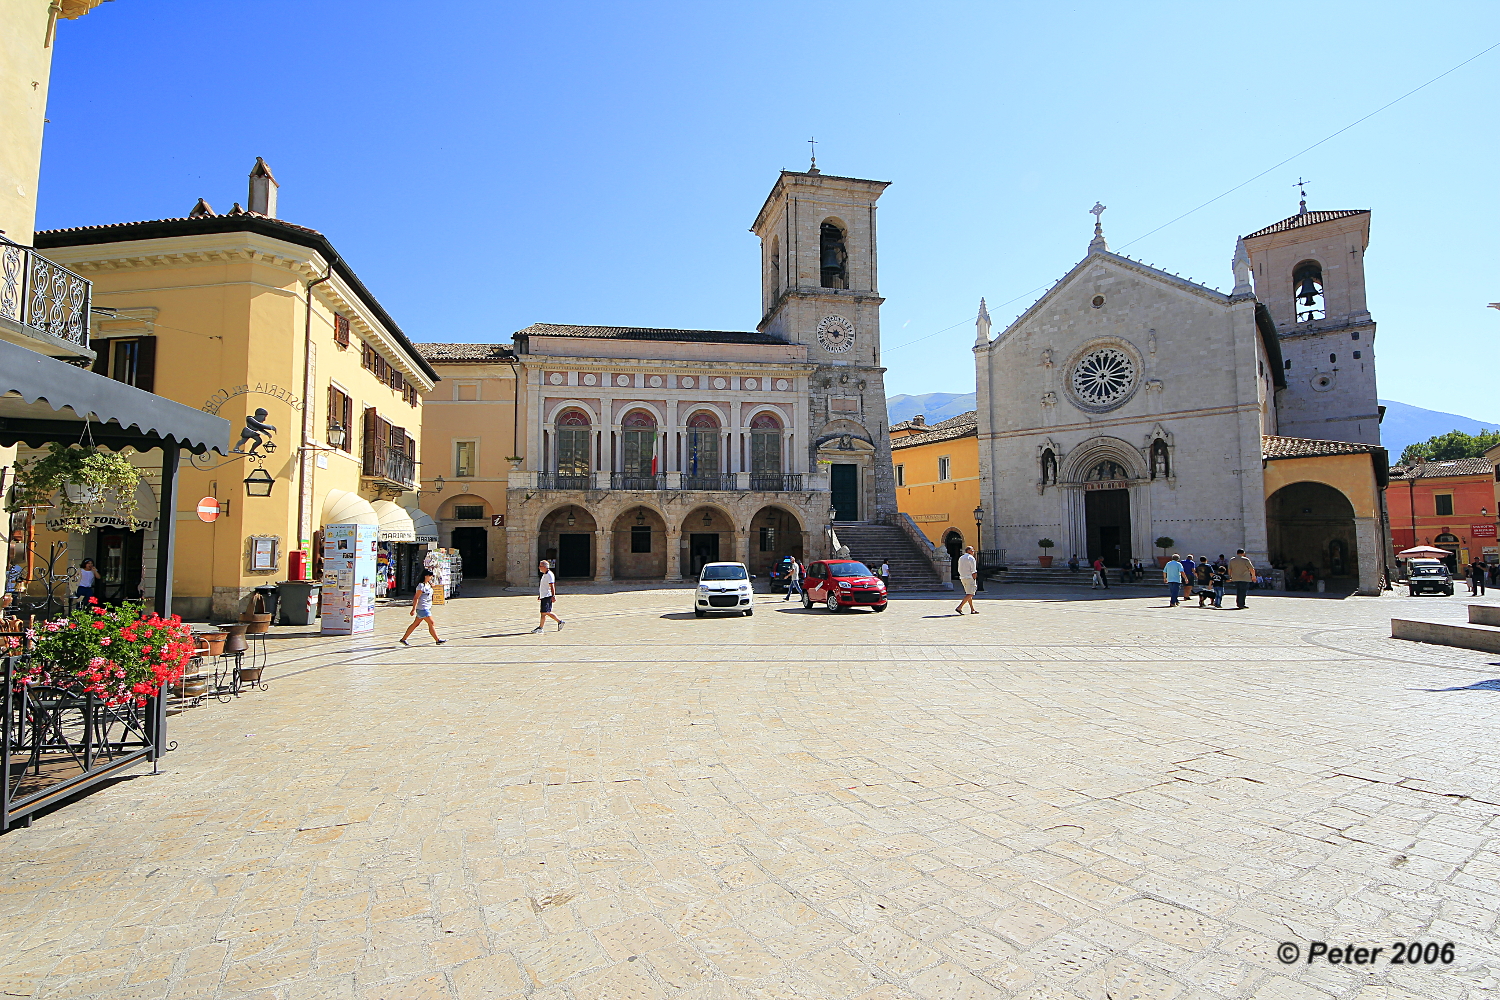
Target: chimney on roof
262, 190
920, 420
201, 210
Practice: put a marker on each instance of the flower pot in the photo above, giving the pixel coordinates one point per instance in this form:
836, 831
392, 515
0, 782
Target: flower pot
251, 675
1044, 560
192, 687
80, 493
1161, 562
215, 641
258, 619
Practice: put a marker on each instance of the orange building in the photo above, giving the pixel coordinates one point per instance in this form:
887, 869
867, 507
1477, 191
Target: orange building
1450, 505
937, 478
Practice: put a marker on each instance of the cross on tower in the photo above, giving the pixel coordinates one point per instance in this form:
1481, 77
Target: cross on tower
1097, 211
812, 144
1301, 187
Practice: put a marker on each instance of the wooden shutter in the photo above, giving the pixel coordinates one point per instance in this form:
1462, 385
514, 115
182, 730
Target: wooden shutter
340, 330
145, 364
348, 423
101, 358
366, 357
372, 428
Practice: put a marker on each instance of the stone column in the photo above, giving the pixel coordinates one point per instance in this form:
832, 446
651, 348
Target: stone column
674, 555
603, 555
1075, 523
1367, 542
742, 545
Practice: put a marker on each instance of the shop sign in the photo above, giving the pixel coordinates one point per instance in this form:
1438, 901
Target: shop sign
88, 522
1481, 531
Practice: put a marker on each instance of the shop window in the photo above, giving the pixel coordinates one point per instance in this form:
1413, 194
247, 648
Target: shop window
1444, 502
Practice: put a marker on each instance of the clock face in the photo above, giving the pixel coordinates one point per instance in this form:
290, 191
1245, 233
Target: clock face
836, 334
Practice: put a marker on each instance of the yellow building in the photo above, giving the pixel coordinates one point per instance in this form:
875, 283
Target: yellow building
262, 322
937, 478
473, 429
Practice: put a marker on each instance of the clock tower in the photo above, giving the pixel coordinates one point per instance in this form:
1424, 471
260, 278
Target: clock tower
819, 288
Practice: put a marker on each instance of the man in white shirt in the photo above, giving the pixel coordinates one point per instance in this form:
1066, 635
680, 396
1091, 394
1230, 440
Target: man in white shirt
793, 579
968, 575
546, 591
885, 572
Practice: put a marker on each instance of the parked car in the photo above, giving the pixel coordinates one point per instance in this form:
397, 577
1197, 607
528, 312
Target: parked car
1428, 576
723, 588
842, 583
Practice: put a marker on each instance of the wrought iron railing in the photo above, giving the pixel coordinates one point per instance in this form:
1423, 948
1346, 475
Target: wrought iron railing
628, 481
395, 466
775, 481
564, 481
719, 481
41, 295
59, 741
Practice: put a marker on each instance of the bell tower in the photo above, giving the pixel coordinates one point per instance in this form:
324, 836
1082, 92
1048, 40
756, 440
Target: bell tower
1310, 274
820, 289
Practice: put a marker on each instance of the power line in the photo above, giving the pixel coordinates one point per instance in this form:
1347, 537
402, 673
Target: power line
1251, 180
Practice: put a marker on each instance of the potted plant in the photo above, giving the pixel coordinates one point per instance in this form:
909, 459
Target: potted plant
1044, 544
1164, 543
120, 654
80, 477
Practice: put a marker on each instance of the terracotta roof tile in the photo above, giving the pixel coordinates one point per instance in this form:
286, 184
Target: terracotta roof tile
649, 333
1274, 446
963, 425
1306, 219
440, 353
1439, 470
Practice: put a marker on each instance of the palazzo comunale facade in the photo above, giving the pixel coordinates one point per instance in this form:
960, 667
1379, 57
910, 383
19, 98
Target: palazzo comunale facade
643, 453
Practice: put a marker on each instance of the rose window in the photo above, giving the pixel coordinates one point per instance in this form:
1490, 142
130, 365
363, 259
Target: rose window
1104, 377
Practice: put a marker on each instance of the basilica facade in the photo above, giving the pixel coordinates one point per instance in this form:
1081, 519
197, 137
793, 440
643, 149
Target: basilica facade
1130, 406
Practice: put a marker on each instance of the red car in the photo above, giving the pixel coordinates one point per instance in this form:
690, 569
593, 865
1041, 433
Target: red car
842, 583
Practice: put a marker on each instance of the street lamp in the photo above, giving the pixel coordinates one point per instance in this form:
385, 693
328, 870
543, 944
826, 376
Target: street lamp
438, 484
979, 544
259, 483
336, 436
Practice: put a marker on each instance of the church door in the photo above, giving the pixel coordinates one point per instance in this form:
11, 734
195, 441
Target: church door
1108, 515
844, 482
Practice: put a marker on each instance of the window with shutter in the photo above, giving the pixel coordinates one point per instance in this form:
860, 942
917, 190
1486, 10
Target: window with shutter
145, 364
340, 411
340, 330
101, 356
372, 430
366, 356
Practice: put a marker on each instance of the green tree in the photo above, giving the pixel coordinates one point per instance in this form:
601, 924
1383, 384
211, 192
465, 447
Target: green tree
1446, 447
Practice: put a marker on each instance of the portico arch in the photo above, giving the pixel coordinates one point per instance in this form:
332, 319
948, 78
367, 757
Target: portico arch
565, 537
1311, 529
775, 533
1106, 510
708, 535
639, 537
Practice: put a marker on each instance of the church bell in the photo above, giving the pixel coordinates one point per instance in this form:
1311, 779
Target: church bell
1308, 293
831, 260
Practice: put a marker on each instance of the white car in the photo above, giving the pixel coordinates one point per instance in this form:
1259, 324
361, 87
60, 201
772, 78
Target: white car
723, 588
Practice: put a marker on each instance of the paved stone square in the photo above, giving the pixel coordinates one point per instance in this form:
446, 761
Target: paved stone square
1070, 795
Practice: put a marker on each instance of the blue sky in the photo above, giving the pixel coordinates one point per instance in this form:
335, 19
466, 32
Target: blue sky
491, 165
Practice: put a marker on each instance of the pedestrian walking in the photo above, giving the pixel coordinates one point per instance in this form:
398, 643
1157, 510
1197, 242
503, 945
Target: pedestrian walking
87, 574
793, 579
1476, 578
547, 592
421, 609
1241, 574
1219, 577
885, 573
1204, 583
968, 575
1101, 576
1189, 567
1172, 572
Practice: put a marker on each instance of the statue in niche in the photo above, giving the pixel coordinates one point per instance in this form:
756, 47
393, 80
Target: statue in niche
1047, 358
1049, 467
1161, 462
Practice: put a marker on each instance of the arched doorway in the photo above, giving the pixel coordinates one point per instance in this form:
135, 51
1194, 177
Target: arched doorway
1310, 528
707, 536
566, 539
953, 542
640, 545
1450, 542
775, 533
1106, 513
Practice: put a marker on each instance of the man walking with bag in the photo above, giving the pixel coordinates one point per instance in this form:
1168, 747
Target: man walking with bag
1242, 575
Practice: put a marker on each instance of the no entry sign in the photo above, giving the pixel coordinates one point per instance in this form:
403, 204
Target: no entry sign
208, 509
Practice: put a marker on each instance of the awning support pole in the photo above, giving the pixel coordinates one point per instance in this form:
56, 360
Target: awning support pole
166, 530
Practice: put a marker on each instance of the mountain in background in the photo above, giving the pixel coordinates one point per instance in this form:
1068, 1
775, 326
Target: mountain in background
934, 406
1404, 424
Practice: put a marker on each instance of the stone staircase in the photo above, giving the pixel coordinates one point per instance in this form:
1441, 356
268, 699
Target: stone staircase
1482, 631
1059, 576
870, 543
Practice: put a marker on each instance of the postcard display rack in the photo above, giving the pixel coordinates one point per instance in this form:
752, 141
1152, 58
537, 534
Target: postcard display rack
349, 577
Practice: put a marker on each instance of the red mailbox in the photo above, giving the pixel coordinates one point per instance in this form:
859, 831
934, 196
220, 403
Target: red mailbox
296, 565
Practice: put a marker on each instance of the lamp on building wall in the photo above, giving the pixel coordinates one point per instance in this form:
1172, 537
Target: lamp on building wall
336, 436
833, 512
438, 484
707, 519
259, 483
640, 515
571, 519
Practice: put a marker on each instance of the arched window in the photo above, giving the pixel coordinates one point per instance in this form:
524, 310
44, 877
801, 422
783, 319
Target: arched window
834, 257
1161, 462
1307, 279
573, 432
1049, 466
765, 445
775, 266
703, 446
638, 443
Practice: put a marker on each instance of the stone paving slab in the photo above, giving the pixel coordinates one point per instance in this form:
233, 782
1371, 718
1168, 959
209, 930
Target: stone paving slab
1069, 796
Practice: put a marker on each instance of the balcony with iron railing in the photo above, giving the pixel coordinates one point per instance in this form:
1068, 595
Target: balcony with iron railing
715, 481
673, 481
43, 306
390, 468
634, 481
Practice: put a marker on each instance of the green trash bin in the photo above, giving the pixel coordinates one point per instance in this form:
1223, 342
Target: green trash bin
298, 601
